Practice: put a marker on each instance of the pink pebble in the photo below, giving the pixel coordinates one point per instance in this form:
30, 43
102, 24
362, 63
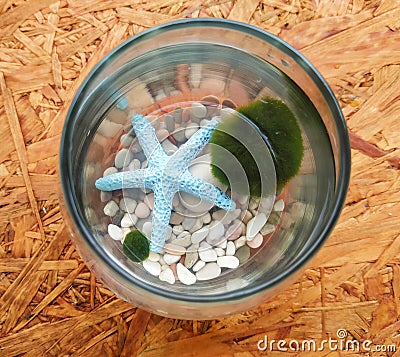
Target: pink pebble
142, 211
234, 232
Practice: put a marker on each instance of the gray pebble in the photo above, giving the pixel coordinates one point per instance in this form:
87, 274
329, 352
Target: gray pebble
198, 224
199, 111
183, 239
117, 218
127, 205
179, 134
274, 217
105, 196
169, 122
267, 229
199, 235
177, 114
176, 218
191, 129
243, 254
123, 158
191, 258
126, 140
188, 222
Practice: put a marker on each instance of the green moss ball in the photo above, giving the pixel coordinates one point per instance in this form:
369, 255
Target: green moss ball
277, 122
136, 246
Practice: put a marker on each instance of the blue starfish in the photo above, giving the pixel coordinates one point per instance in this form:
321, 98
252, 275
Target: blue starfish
166, 175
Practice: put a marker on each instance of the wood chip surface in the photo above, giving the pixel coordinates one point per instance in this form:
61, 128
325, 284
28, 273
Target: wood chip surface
52, 305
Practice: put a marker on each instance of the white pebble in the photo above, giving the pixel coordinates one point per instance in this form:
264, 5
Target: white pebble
228, 261
256, 241
199, 235
167, 275
128, 220
142, 210
154, 268
174, 249
136, 148
209, 271
199, 264
110, 170
149, 200
154, 257
127, 205
222, 244
171, 259
146, 229
184, 275
178, 229
230, 248
206, 253
255, 224
111, 209
199, 110
123, 158
279, 206
134, 165
204, 122
162, 134
169, 147
220, 251
240, 242
115, 232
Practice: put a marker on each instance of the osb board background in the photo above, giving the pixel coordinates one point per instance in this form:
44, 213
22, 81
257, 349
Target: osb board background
51, 305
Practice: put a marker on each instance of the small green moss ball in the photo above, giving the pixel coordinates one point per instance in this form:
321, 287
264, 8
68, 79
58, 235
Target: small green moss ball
277, 122
136, 246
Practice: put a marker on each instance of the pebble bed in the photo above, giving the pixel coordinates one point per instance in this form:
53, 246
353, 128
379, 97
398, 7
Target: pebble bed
204, 242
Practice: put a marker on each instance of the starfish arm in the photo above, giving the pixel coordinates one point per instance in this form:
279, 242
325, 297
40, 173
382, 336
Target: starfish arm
188, 151
205, 191
160, 219
147, 137
127, 179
